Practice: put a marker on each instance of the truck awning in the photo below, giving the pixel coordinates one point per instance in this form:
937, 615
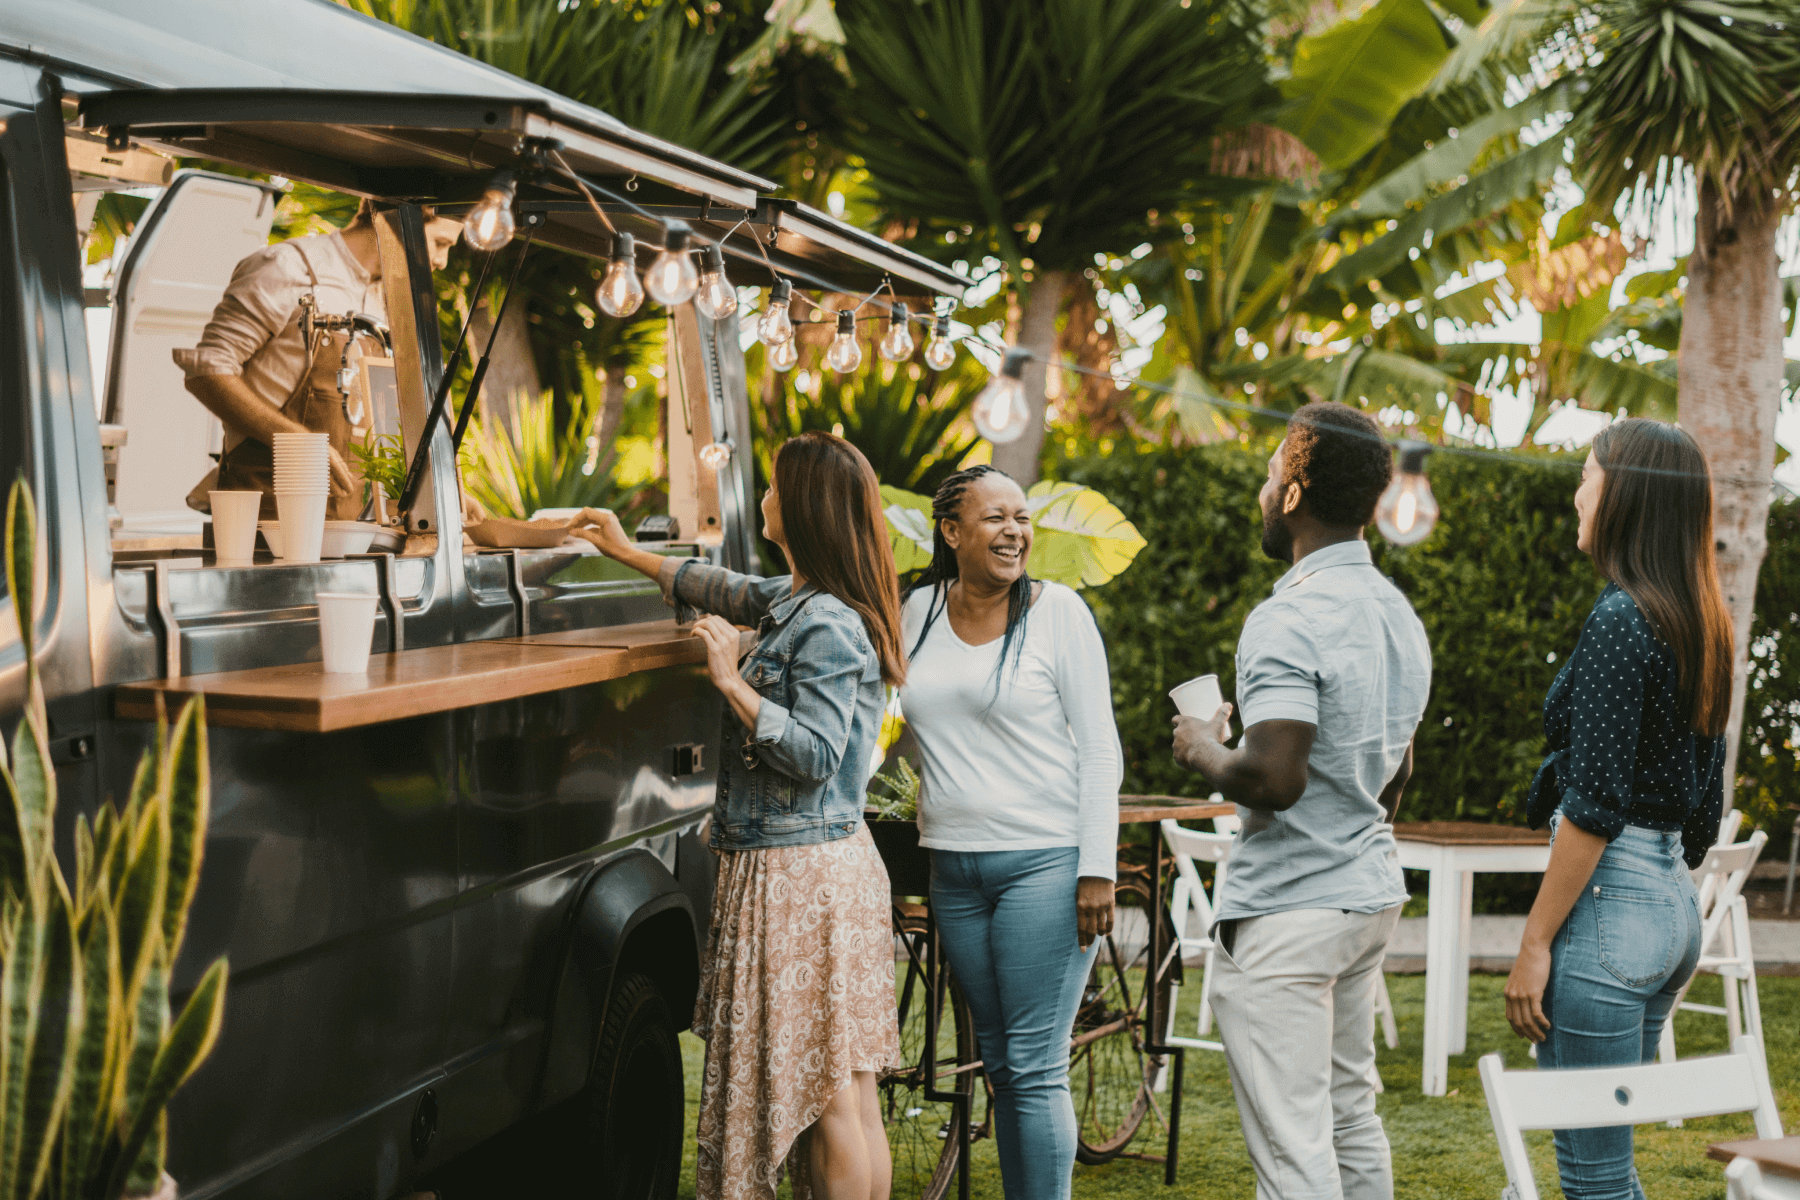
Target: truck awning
443, 149
401, 145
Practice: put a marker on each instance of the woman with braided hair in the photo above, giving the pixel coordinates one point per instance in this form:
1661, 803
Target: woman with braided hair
1008, 695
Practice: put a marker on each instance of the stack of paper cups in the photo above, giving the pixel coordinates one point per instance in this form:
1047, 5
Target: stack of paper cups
302, 492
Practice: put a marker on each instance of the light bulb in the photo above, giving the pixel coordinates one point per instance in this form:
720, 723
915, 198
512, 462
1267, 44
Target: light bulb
1000, 411
715, 454
489, 224
620, 294
844, 354
940, 352
897, 344
783, 355
716, 297
1407, 511
776, 326
672, 279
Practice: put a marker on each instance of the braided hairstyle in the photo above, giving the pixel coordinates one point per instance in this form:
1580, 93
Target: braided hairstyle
946, 505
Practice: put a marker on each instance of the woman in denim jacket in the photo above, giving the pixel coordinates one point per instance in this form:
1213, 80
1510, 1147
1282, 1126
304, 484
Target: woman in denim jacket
797, 997
1632, 784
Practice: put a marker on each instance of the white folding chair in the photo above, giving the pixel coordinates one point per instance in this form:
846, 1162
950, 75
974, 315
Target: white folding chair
1744, 1181
1633, 1095
1724, 941
1188, 848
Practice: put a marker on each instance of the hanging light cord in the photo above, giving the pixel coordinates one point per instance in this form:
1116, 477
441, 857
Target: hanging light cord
1511, 457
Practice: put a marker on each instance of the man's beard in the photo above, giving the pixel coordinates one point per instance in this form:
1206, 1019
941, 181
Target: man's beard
1277, 538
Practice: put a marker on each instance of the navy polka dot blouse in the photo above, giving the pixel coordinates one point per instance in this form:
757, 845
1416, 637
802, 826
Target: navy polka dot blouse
1621, 749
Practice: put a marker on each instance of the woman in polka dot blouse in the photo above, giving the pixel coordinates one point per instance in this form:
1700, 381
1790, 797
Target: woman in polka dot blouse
1632, 783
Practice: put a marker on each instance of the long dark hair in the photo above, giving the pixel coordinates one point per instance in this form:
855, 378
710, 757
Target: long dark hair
837, 537
946, 505
1653, 536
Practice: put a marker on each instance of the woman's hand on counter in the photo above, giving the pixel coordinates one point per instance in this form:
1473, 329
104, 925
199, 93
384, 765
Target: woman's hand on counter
721, 638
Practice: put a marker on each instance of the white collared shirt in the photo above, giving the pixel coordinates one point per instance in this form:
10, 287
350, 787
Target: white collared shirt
255, 332
1337, 647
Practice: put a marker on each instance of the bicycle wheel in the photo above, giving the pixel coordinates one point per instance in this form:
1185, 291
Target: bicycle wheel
922, 1132
1110, 1073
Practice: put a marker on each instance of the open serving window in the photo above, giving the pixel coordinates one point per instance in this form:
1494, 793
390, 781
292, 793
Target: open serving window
446, 152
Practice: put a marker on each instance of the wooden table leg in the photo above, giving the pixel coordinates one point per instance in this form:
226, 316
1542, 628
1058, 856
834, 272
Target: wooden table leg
1443, 894
1465, 936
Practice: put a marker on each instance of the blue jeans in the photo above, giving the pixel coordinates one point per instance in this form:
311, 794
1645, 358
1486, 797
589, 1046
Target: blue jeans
1616, 967
1007, 919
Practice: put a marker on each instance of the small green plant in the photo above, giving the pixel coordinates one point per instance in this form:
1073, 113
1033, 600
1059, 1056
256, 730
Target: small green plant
89, 1058
901, 803
382, 461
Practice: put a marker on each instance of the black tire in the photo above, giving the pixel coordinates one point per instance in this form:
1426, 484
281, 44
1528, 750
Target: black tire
634, 1106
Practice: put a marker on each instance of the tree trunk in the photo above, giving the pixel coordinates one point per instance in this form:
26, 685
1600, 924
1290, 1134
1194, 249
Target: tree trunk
1037, 333
1730, 387
513, 372
612, 412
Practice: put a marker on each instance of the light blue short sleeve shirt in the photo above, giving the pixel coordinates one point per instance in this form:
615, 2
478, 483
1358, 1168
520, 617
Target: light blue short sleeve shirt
1337, 646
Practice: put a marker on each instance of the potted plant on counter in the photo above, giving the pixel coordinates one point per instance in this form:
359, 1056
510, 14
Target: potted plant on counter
892, 814
89, 1057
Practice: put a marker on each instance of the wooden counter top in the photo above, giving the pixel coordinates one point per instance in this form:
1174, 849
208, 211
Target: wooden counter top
303, 698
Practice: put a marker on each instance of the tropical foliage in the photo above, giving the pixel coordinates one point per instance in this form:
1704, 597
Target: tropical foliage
89, 1057
1079, 538
543, 462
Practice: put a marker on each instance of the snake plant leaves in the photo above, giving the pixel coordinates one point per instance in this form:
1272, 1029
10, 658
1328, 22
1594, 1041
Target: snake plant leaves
909, 528
51, 1044
1080, 539
148, 1010
187, 789
187, 1045
89, 1106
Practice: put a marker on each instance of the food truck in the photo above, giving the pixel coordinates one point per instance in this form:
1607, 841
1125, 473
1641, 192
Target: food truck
470, 888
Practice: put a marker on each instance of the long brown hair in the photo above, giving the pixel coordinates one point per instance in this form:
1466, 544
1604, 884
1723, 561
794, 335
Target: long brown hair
837, 537
1653, 536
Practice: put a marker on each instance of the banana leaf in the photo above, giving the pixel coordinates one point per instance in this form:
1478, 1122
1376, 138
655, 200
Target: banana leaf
909, 528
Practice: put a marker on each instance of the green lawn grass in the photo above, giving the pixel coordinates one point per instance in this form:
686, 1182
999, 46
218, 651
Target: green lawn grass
1443, 1146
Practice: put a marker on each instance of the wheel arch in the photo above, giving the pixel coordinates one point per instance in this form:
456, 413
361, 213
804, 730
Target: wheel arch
632, 916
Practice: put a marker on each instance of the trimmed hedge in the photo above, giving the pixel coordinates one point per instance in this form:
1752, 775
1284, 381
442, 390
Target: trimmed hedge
1499, 585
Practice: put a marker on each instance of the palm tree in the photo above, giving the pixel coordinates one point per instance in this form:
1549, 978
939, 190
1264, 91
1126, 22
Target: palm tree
1045, 133
1712, 89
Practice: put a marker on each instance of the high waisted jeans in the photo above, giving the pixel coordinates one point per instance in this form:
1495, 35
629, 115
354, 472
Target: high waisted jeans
1616, 967
1007, 919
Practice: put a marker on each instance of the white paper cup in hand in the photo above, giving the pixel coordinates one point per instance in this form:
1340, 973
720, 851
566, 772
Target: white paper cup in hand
302, 524
1198, 697
346, 627
234, 525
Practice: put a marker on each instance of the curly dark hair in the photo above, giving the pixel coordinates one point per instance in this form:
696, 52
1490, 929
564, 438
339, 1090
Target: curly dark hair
1340, 460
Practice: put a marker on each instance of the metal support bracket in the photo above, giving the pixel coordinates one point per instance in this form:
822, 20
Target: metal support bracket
160, 611
391, 604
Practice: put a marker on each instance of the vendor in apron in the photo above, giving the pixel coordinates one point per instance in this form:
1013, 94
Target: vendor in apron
278, 355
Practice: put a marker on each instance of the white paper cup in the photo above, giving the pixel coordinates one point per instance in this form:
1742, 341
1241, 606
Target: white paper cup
302, 524
1198, 697
346, 627
234, 525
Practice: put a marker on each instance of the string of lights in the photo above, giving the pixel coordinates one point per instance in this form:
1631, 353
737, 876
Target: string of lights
1405, 514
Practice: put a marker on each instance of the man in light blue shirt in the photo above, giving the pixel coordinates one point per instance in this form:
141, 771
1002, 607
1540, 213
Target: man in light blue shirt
1333, 672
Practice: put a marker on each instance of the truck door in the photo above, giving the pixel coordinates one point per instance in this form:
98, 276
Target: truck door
181, 258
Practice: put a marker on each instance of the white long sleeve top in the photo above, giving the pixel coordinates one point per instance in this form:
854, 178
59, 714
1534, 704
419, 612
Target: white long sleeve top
1025, 760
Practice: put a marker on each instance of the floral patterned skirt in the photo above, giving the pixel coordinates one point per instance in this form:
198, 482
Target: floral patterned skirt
797, 991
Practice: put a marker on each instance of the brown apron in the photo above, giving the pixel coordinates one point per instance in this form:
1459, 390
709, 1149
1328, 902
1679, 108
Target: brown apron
317, 403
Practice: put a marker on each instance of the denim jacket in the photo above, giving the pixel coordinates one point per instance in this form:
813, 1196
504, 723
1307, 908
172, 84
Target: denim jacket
800, 776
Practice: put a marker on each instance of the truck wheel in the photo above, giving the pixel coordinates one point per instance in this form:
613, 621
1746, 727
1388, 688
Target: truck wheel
636, 1100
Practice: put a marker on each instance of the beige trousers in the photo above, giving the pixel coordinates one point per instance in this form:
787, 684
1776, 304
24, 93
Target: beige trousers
1294, 994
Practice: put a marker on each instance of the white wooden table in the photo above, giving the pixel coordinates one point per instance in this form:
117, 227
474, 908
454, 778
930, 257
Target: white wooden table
1777, 1158
1452, 852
